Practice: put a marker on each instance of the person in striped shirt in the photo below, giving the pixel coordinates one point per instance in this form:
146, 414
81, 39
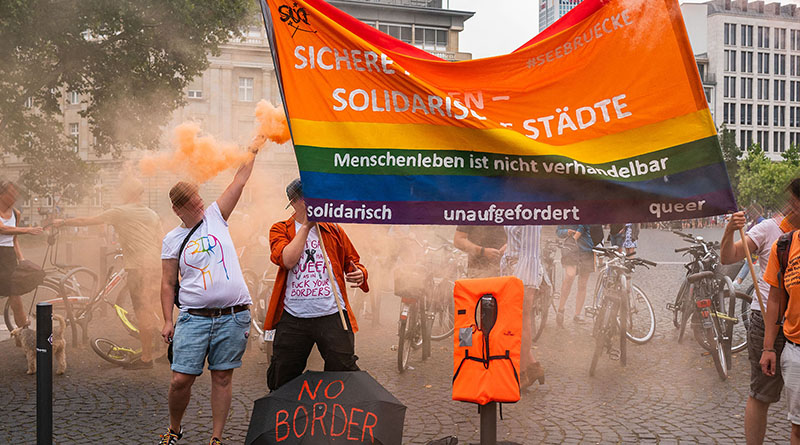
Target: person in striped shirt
522, 259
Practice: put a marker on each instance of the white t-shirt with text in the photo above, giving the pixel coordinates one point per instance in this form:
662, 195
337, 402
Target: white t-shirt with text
210, 273
308, 287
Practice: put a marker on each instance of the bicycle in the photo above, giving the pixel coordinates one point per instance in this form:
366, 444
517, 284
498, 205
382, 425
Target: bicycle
641, 319
611, 311
720, 314
548, 293
427, 310
76, 286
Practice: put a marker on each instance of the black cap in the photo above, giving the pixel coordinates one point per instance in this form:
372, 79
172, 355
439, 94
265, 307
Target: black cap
294, 191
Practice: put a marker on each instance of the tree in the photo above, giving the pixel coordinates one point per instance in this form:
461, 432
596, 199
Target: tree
730, 154
764, 181
792, 155
128, 59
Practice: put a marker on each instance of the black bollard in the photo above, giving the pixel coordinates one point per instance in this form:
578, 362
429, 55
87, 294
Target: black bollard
44, 374
489, 423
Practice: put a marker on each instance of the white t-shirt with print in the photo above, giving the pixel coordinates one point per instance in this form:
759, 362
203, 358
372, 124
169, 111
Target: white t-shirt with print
210, 273
308, 287
764, 235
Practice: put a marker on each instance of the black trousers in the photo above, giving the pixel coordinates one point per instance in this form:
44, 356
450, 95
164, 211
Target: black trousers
294, 338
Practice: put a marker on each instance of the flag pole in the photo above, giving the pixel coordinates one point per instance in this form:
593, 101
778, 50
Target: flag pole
752, 271
329, 268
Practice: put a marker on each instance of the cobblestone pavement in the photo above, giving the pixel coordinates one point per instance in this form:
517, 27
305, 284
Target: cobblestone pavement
668, 393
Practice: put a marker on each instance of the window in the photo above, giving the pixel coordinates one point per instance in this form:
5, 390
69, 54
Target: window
730, 60
779, 93
763, 37
400, 32
746, 92
48, 201
729, 89
763, 63
779, 141
762, 115
29, 102
794, 65
97, 196
779, 115
763, 89
745, 138
74, 98
794, 139
762, 139
729, 113
730, 34
195, 94
780, 38
794, 91
795, 40
245, 89
780, 64
747, 62
746, 114
794, 117
430, 39
747, 35
74, 133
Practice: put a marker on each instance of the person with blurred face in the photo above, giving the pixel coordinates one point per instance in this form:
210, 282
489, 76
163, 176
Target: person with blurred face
484, 246
764, 389
779, 351
214, 319
139, 230
10, 253
303, 307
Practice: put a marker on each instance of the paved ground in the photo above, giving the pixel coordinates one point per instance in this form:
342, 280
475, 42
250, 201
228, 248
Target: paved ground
668, 393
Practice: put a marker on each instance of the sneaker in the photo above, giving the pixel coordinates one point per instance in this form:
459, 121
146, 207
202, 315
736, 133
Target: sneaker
560, 319
215, 441
171, 437
578, 319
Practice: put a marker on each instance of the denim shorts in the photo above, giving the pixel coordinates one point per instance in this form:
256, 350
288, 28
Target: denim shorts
221, 339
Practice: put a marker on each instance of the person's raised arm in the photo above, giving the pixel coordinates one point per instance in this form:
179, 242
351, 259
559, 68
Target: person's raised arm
731, 251
169, 277
294, 250
230, 197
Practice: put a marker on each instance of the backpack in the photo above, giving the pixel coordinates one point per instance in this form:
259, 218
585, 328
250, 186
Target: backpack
783, 245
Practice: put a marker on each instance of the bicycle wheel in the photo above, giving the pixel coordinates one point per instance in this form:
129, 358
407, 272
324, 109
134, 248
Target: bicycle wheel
44, 293
112, 353
404, 338
677, 312
541, 309
443, 311
641, 319
600, 331
718, 352
622, 320
742, 324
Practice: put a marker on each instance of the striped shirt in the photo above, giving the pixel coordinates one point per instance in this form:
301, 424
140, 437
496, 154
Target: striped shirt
522, 254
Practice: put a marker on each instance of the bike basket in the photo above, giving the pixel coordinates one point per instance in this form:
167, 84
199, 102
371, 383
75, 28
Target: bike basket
410, 282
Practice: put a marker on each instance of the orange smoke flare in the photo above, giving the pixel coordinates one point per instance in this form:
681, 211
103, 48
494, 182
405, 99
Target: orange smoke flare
198, 157
271, 122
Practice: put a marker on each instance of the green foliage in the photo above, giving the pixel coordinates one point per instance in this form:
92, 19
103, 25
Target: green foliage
129, 60
731, 153
764, 181
792, 155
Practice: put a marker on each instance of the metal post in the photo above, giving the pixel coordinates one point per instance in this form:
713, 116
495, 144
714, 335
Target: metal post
44, 374
489, 424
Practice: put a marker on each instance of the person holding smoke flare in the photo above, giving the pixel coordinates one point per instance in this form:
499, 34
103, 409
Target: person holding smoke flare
214, 319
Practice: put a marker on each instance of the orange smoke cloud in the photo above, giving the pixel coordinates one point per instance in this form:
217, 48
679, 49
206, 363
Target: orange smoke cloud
271, 122
198, 157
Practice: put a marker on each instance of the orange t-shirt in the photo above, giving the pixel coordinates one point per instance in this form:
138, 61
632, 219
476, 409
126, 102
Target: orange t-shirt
791, 325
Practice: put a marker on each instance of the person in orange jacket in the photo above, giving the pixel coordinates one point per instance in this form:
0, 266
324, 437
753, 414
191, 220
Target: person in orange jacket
302, 309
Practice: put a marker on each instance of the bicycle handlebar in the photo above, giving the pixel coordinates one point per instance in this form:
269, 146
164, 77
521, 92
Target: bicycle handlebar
683, 249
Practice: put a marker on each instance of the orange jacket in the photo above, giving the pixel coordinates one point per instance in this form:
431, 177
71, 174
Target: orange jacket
340, 251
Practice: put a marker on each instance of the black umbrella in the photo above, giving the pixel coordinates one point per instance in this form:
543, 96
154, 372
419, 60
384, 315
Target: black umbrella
328, 407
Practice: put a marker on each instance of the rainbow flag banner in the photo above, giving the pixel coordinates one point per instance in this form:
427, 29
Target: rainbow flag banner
601, 118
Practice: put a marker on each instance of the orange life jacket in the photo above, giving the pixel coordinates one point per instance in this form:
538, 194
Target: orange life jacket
486, 371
